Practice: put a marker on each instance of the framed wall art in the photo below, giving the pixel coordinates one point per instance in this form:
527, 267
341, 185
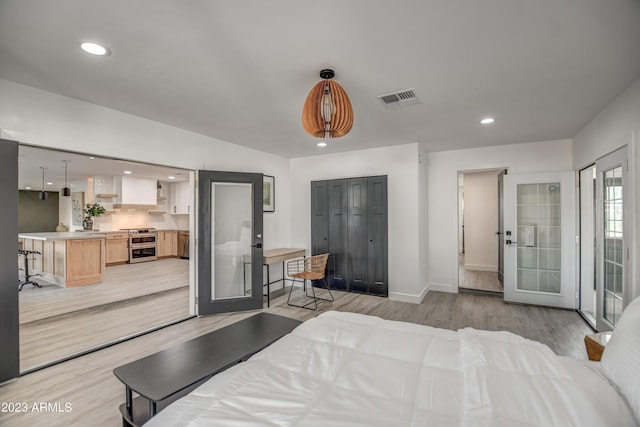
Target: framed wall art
268, 194
77, 208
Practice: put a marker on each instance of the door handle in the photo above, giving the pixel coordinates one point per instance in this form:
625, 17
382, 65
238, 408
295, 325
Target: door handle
509, 242
498, 233
257, 246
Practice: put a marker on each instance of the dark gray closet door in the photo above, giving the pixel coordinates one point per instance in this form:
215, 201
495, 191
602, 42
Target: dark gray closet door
9, 335
349, 220
319, 218
338, 233
357, 235
377, 232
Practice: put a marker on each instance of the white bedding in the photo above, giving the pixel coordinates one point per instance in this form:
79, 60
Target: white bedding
346, 369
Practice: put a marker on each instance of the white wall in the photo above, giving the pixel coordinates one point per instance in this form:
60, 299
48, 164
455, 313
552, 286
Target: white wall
423, 224
442, 178
615, 126
610, 129
400, 164
45, 119
481, 220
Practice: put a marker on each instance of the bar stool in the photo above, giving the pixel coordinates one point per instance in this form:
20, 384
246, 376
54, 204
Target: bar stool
27, 277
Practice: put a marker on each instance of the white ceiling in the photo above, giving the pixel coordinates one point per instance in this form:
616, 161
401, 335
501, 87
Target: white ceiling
80, 167
240, 71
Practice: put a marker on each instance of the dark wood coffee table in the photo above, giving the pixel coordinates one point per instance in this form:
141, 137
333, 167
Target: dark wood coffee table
164, 377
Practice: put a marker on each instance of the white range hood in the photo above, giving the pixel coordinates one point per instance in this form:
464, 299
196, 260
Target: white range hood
135, 193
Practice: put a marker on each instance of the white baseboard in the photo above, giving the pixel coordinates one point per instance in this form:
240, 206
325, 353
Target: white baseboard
412, 298
478, 267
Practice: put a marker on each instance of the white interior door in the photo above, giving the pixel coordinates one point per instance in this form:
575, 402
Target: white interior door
540, 239
611, 243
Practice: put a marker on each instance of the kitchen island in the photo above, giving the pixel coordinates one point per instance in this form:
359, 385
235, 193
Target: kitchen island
68, 259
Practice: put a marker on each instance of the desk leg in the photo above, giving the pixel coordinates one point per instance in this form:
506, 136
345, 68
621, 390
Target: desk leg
152, 408
268, 287
284, 277
128, 400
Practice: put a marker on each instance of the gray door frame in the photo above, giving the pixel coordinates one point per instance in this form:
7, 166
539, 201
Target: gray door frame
206, 305
9, 320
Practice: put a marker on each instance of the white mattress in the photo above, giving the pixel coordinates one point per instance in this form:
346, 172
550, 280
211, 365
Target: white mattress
346, 369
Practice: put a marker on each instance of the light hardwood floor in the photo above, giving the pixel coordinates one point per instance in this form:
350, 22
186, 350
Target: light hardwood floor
477, 280
120, 282
57, 322
88, 384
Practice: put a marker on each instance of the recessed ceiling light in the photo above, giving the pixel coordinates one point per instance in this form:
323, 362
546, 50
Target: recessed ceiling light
95, 49
322, 144
28, 187
127, 172
49, 183
171, 177
487, 120
91, 158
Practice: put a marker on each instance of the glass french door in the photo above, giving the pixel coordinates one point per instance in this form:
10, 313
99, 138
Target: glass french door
229, 242
539, 239
588, 306
611, 244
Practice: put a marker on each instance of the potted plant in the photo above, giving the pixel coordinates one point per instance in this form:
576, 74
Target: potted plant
92, 210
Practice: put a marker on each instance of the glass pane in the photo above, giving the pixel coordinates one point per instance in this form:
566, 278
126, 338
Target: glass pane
550, 281
528, 280
613, 244
549, 237
549, 215
549, 194
528, 258
549, 259
527, 194
232, 228
527, 215
538, 234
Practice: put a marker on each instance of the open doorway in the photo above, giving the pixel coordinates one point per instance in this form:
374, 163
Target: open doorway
139, 247
479, 255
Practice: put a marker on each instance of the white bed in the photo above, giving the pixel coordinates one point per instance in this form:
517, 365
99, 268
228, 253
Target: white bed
346, 369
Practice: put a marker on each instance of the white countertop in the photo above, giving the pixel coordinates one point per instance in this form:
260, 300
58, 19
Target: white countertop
67, 235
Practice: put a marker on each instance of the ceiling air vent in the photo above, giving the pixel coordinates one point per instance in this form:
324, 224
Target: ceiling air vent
399, 99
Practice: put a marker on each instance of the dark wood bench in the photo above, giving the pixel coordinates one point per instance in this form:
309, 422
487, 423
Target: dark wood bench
164, 377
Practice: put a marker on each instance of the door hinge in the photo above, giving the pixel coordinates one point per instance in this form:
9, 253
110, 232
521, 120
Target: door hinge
197, 300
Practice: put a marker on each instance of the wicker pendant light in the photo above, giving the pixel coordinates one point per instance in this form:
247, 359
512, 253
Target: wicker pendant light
327, 112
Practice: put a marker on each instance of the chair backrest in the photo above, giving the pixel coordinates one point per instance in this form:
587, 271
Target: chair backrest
313, 264
316, 263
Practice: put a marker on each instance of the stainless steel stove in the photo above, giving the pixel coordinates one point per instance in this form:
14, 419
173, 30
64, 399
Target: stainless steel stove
143, 244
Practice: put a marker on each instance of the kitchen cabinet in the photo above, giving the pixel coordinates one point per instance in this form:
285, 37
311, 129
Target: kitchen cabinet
67, 259
167, 243
117, 248
180, 198
135, 193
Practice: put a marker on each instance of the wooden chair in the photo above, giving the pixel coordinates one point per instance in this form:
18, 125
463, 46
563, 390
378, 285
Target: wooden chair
311, 268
